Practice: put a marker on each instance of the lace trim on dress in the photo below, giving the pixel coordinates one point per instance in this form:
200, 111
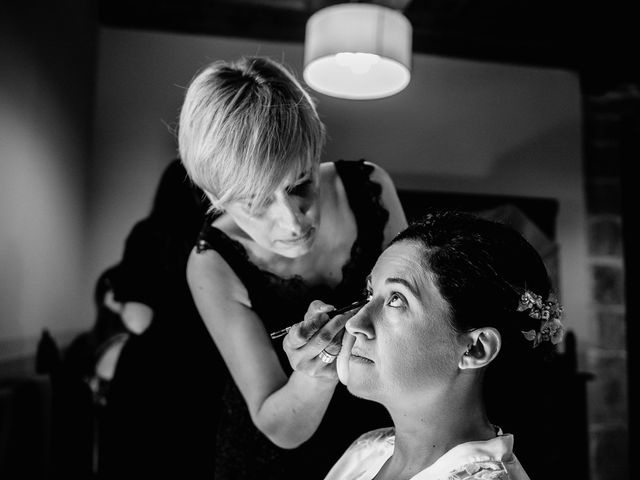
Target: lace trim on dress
295, 282
371, 217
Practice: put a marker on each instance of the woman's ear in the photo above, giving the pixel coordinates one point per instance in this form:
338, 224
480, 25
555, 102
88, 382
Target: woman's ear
483, 345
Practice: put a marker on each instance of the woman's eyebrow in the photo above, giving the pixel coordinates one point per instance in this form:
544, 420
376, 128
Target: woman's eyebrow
409, 285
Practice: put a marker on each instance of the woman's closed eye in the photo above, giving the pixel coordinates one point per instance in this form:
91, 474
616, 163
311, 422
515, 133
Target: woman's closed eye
301, 188
253, 209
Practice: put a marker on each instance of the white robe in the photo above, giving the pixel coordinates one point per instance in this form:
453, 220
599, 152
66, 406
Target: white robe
485, 460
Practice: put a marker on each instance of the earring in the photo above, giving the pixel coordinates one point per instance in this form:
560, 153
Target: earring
468, 352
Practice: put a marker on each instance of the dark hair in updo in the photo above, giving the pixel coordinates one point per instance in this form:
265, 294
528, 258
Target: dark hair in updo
481, 267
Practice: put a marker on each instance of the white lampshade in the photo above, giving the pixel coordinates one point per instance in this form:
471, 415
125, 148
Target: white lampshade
357, 51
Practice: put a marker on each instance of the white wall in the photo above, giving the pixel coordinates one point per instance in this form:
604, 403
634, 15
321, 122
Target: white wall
460, 126
47, 59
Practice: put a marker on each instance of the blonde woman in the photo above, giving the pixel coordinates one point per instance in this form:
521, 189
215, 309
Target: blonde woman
291, 230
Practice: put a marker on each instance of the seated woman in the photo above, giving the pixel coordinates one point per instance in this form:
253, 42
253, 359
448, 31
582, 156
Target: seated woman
453, 301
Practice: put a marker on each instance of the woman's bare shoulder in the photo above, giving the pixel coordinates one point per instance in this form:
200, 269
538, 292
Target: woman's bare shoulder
209, 273
328, 172
331, 186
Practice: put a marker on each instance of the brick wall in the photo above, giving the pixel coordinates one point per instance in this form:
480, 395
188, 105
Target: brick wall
606, 142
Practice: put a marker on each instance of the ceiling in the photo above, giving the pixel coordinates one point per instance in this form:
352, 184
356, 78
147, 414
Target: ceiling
599, 40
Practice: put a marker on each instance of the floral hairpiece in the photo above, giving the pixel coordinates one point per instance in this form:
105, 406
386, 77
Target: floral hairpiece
549, 313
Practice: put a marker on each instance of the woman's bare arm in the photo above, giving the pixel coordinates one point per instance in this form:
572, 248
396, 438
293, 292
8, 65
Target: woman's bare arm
287, 410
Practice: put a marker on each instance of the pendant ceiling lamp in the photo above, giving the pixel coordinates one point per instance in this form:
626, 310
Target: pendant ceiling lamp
357, 51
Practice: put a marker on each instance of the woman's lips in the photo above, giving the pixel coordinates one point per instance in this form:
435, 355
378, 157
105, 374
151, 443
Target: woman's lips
359, 357
301, 239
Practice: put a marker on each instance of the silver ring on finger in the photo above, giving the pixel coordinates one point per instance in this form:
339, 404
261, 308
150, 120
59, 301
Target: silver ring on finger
327, 357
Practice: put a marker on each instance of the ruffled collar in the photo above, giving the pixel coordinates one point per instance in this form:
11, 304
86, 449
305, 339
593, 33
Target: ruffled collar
468, 460
471, 460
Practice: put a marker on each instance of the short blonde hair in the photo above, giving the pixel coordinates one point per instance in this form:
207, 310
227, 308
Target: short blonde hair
246, 125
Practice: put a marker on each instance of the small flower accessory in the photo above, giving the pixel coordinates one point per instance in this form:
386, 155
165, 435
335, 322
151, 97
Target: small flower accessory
549, 313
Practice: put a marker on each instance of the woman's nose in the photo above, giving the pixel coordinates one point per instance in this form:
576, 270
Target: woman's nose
360, 323
290, 213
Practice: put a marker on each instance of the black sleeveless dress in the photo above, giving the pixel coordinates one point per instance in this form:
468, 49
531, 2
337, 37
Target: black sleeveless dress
242, 451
